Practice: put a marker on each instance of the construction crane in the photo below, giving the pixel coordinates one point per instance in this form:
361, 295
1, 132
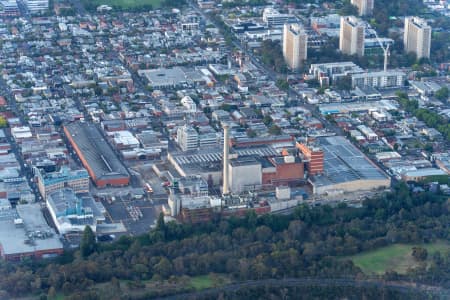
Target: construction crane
385, 49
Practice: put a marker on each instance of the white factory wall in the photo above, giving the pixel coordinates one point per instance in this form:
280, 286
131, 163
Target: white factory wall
353, 186
244, 177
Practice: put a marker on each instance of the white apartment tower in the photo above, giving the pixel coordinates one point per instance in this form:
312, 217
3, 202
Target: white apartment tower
417, 37
295, 43
365, 7
187, 138
351, 36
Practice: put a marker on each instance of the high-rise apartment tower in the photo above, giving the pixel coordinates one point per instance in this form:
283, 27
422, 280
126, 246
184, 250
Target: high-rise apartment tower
351, 36
295, 43
417, 37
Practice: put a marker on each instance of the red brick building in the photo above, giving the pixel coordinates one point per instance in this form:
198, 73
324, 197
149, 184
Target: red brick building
314, 157
282, 170
102, 164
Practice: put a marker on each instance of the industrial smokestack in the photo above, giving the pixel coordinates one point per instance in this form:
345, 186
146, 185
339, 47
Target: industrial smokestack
226, 151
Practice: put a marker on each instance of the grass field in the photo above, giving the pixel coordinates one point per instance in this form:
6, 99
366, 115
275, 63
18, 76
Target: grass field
125, 4
202, 282
395, 257
208, 281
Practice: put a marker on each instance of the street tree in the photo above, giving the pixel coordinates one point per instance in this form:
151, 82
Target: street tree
88, 243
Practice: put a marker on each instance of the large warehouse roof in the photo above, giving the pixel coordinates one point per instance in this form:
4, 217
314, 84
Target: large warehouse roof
344, 163
24, 230
213, 155
96, 151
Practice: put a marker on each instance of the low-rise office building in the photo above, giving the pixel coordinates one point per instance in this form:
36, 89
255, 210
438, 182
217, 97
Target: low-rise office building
48, 182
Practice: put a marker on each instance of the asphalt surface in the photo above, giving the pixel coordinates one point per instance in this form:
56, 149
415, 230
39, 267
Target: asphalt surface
123, 210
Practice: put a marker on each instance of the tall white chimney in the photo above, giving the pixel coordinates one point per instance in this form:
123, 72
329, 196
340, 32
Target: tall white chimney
225, 190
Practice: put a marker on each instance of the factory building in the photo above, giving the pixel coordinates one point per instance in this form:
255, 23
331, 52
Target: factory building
102, 164
282, 170
171, 78
189, 200
77, 180
25, 233
422, 174
197, 209
313, 156
207, 140
187, 138
239, 169
245, 174
208, 163
346, 169
124, 139
192, 185
72, 213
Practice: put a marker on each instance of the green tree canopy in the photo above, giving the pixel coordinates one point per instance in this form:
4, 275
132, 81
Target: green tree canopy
3, 122
272, 56
442, 94
88, 243
275, 130
282, 84
348, 9
419, 253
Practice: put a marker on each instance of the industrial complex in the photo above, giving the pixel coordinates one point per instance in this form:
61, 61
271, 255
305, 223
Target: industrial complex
346, 169
25, 233
109, 118
48, 182
72, 213
102, 164
330, 165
